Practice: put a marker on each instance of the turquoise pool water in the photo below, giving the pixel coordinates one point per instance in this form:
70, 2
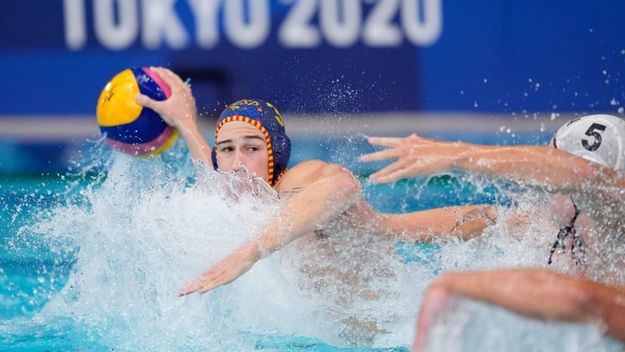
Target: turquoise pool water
46, 298
30, 274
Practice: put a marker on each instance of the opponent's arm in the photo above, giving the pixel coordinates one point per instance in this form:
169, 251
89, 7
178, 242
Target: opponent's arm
463, 222
325, 191
534, 293
538, 166
542, 166
180, 112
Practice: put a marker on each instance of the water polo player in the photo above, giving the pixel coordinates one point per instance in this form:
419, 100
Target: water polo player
535, 293
583, 166
250, 134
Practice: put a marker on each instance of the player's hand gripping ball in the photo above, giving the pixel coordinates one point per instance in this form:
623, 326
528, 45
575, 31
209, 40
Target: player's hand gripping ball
128, 126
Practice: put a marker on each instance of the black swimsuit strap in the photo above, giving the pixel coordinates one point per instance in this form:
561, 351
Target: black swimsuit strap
574, 218
577, 239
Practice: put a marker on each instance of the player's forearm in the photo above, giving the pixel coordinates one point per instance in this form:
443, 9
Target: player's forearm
531, 292
310, 209
199, 148
539, 166
543, 294
461, 221
611, 305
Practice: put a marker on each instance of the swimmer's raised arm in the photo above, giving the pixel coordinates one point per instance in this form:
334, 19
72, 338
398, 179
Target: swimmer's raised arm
541, 166
321, 191
179, 111
535, 293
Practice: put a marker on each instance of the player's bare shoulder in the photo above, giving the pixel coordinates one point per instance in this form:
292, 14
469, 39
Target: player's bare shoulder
301, 175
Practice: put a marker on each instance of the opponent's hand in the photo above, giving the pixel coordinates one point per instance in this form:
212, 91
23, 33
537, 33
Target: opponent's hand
179, 109
414, 156
226, 271
435, 301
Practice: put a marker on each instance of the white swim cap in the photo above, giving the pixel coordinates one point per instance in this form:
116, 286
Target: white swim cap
598, 138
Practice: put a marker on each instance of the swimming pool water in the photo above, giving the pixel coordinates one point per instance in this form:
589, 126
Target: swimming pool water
24, 270
31, 273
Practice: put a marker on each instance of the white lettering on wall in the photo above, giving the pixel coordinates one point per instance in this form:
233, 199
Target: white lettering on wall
117, 24
296, 31
160, 21
120, 35
423, 32
251, 33
205, 13
75, 24
340, 32
379, 29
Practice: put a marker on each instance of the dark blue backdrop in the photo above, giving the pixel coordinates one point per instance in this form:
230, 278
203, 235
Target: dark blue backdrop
489, 56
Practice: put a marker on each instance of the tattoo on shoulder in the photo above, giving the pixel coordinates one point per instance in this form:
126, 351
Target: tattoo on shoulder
290, 192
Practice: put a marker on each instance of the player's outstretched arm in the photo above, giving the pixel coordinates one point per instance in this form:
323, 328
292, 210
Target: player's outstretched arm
320, 192
464, 222
535, 293
537, 166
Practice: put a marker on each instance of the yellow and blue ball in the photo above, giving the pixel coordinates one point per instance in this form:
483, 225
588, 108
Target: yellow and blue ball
128, 126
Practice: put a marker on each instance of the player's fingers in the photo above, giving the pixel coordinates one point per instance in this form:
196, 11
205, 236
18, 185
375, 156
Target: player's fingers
385, 141
382, 174
381, 155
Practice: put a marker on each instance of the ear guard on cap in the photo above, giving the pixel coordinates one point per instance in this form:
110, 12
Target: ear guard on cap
282, 154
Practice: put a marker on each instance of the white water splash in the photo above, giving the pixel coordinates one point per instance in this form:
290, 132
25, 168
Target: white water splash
146, 230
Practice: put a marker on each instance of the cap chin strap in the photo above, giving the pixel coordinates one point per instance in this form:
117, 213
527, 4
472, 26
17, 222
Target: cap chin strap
280, 176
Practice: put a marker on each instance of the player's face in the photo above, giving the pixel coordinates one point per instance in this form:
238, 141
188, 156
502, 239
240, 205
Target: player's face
240, 144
